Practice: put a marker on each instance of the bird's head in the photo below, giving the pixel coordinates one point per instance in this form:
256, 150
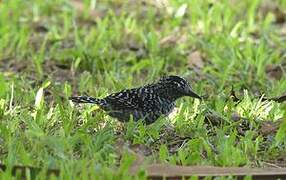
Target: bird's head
177, 86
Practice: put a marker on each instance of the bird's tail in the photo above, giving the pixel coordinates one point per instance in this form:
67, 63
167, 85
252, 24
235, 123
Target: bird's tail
85, 99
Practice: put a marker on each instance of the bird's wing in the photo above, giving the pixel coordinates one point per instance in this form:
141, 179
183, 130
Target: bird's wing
127, 99
141, 103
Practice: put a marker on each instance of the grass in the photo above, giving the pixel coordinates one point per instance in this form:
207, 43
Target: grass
50, 50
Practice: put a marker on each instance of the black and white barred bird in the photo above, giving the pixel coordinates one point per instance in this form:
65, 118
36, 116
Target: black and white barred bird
148, 102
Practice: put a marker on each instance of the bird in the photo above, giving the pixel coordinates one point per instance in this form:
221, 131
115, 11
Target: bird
146, 103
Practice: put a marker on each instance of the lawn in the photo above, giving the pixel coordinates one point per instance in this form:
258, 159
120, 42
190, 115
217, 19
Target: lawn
232, 52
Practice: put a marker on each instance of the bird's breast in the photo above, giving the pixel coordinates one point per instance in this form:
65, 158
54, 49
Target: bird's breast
166, 106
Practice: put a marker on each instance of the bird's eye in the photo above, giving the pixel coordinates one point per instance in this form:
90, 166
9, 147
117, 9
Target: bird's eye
177, 84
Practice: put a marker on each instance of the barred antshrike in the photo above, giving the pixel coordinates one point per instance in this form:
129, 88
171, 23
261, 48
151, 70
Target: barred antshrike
148, 102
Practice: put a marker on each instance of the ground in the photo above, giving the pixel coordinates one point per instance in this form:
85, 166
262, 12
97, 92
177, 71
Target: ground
232, 52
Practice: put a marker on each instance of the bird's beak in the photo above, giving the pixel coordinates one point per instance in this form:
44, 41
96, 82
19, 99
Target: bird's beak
194, 95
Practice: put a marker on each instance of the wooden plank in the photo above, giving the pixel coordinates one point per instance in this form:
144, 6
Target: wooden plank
164, 171
159, 171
